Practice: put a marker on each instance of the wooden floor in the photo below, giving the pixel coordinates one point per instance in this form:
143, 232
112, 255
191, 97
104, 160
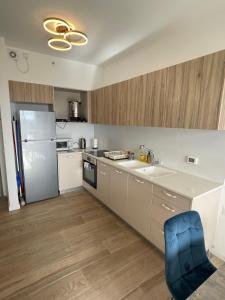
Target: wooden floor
73, 247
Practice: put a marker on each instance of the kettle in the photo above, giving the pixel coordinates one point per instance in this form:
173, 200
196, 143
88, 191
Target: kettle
82, 143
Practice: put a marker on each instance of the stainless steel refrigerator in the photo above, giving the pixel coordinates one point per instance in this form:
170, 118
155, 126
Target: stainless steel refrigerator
39, 159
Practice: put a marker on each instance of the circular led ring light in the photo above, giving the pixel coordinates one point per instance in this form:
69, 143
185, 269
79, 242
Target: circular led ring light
56, 22
59, 48
73, 33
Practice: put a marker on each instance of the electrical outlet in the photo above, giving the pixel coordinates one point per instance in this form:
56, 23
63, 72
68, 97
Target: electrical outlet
192, 160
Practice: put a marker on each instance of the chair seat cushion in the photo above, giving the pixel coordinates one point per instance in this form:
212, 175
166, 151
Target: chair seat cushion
190, 281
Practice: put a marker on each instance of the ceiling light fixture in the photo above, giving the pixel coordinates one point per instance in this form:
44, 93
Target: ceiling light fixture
59, 44
67, 35
76, 38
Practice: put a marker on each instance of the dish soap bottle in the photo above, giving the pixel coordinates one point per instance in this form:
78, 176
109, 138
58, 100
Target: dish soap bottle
142, 155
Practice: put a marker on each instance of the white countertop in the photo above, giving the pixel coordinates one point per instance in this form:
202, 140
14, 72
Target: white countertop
186, 185
71, 151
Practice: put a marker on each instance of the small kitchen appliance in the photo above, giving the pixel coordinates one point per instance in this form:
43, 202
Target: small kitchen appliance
82, 143
74, 110
62, 144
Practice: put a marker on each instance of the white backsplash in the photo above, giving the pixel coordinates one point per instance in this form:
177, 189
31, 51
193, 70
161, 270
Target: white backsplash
171, 146
75, 131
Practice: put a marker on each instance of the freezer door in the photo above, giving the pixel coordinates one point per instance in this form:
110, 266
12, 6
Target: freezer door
37, 125
40, 170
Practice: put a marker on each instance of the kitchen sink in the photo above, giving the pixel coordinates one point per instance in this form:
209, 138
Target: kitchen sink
132, 164
155, 171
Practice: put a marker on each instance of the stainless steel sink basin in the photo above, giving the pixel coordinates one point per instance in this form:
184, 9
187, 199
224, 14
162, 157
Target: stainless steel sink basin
130, 164
155, 171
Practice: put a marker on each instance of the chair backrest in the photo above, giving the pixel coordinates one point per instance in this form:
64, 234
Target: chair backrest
184, 245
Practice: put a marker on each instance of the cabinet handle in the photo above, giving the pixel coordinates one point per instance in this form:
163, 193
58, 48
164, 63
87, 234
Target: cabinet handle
118, 172
169, 195
138, 180
103, 165
168, 208
102, 173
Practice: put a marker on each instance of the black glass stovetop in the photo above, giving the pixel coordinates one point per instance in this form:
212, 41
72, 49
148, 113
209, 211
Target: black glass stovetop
97, 153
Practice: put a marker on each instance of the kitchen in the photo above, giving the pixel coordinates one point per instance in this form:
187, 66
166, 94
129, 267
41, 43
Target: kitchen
159, 112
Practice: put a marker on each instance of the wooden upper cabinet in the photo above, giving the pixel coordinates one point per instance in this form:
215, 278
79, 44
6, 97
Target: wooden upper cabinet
187, 95
136, 100
30, 92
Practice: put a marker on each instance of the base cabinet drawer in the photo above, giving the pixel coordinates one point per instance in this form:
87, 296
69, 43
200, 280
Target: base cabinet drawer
157, 235
173, 198
163, 210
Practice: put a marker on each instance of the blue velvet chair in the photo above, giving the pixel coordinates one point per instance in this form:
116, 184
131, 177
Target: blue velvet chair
186, 263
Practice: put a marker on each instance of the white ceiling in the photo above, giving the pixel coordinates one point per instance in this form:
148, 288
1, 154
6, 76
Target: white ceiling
112, 26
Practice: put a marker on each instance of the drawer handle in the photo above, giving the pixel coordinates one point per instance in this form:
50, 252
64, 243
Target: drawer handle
168, 208
169, 195
138, 180
118, 172
102, 173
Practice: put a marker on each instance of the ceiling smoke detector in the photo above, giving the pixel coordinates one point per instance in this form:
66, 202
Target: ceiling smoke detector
12, 54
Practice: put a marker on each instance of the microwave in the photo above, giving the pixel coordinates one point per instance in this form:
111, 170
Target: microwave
62, 144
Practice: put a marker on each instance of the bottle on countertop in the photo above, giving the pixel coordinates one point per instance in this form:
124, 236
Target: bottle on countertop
142, 155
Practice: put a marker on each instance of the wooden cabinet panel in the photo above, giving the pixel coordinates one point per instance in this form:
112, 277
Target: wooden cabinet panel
30, 92
17, 91
136, 100
119, 103
187, 95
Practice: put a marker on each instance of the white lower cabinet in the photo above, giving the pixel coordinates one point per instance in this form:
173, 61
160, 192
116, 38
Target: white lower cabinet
139, 201
103, 181
118, 191
146, 206
69, 170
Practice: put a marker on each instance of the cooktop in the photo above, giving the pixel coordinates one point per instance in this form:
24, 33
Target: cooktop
97, 153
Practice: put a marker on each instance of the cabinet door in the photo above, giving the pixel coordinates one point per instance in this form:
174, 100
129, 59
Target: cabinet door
69, 170
136, 100
119, 103
118, 192
103, 178
30, 92
139, 201
17, 91
39, 93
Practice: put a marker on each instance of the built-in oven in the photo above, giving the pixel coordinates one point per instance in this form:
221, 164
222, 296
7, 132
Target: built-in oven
90, 170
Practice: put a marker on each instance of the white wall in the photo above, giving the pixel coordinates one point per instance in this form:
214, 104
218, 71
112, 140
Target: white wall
198, 35
43, 69
2, 163
75, 131
54, 71
171, 147
7, 130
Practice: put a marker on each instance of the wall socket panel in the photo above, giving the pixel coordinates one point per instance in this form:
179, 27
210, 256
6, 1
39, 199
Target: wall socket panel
192, 160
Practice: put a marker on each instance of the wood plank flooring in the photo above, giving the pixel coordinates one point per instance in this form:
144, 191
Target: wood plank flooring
73, 247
